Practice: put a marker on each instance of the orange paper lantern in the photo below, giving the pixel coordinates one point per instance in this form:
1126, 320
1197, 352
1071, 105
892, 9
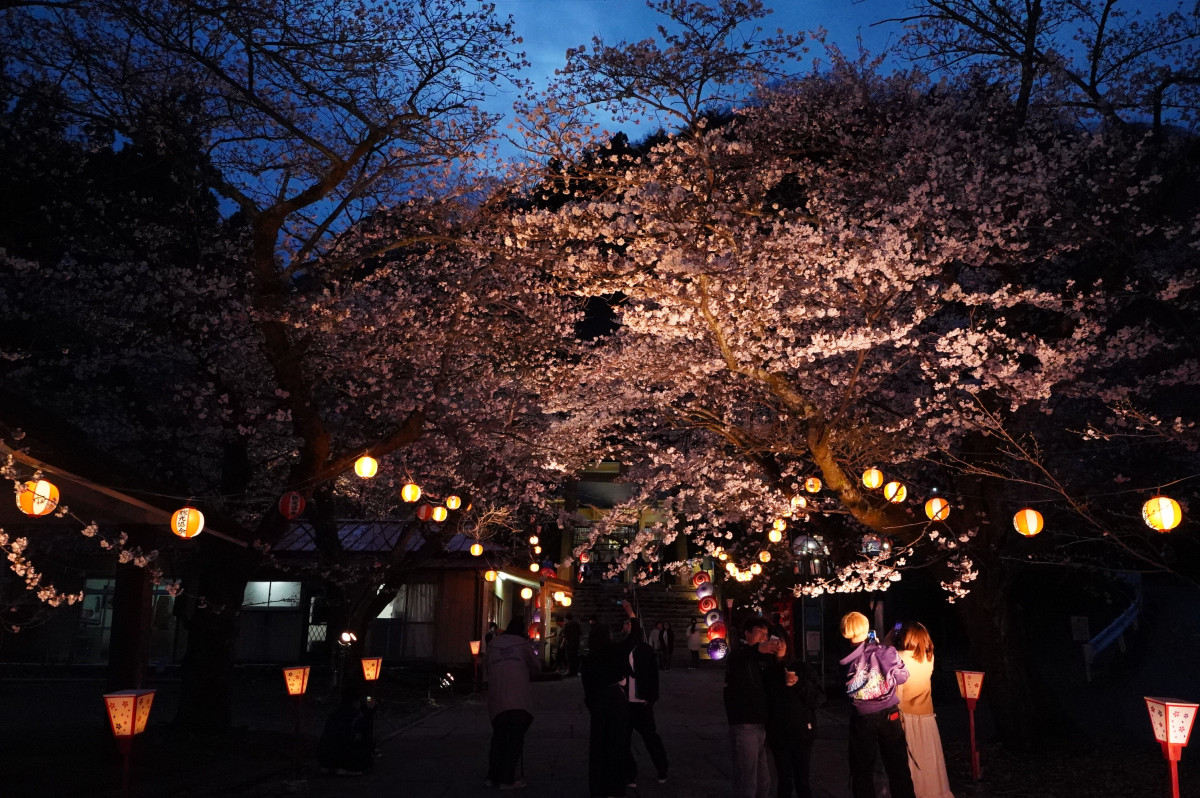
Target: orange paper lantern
895, 492
439, 514
1162, 513
937, 508
453, 502
476, 549
366, 466
296, 679
37, 498
1028, 522
372, 666
187, 522
872, 478
812, 485
410, 492
129, 711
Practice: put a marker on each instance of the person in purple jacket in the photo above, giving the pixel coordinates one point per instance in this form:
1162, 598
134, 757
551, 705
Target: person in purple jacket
872, 673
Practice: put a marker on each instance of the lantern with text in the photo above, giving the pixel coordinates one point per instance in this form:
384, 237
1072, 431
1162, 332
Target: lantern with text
1162, 513
812, 485
476, 549
372, 666
37, 498
366, 466
1172, 722
291, 505
410, 492
187, 522
969, 685
872, 478
895, 492
453, 502
1028, 522
937, 509
128, 713
424, 512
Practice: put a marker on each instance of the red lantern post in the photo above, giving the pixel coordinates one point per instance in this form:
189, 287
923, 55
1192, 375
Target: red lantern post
296, 679
1172, 722
969, 685
128, 712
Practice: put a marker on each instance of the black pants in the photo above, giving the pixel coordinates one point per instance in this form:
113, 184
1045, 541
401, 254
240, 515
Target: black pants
793, 755
572, 660
508, 740
879, 732
641, 720
608, 743
695, 655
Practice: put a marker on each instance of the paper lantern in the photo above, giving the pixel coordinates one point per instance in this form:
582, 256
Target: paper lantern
128, 711
704, 590
764, 556
585, 557
410, 492
779, 525
717, 649
424, 512
717, 630
722, 556
453, 502
476, 647
37, 498
566, 602
559, 596
439, 514
533, 540
755, 568
489, 576
476, 549
1028, 522
812, 485
937, 508
774, 536
895, 492
537, 549
534, 632
372, 666
707, 604
1162, 513
713, 616
872, 478
699, 578
534, 567
731, 567
549, 571
291, 505
526, 593
296, 679
798, 502
366, 466
1172, 721
187, 522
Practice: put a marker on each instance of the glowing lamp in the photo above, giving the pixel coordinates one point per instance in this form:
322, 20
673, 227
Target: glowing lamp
717, 630
700, 577
453, 502
559, 596
774, 536
537, 549
475, 646
534, 567
812, 485
707, 604
722, 556
755, 569
731, 567
566, 602
533, 540
895, 492
714, 616
779, 524
872, 478
969, 685
489, 576
526, 593
717, 649
424, 512
372, 666
799, 502
187, 522
128, 711
937, 508
476, 549
410, 492
37, 498
296, 679
705, 590
1028, 522
366, 466
1162, 513
764, 556
550, 571
1172, 722
439, 514
534, 632
585, 557
291, 505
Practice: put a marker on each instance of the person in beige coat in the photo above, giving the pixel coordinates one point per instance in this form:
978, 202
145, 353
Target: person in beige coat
925, 758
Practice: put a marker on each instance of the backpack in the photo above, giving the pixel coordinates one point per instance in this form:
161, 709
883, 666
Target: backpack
866, 679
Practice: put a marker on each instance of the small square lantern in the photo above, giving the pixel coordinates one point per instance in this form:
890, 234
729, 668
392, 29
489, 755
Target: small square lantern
128, 711
1172, 721
296, 679
475, 645
372, 667
969, 685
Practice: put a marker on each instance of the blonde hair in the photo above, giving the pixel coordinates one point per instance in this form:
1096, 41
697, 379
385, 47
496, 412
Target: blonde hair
917, 640
855, 626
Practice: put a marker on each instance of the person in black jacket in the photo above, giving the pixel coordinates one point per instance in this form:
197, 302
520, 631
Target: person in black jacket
793, 693
641, 692
746, 710
604, 671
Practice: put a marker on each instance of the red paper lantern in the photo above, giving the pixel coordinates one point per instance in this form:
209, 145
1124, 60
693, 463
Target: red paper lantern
699, 578
717, 630
291, 505
424, 512
708, 604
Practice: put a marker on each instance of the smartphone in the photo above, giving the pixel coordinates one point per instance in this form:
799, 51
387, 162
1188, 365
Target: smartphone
871, 636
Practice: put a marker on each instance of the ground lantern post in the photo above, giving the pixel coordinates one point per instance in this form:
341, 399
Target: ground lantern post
1172, 722
128, 712
296, 679
969, 685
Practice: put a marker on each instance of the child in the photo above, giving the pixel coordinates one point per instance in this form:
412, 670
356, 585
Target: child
872, 673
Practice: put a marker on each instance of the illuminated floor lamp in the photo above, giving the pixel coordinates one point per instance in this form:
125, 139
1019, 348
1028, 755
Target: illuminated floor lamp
372, 668
1172, 721
969, 685
296, 679
476, 647
128, 712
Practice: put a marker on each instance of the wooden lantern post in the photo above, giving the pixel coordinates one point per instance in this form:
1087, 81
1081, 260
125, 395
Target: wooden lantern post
969, 685
128, 712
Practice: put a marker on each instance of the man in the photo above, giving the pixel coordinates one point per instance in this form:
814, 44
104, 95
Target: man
746, 710
641, 691
511, 664
571, 635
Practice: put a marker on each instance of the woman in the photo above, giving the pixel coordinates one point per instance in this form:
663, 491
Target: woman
510, 665
925, 759
603, 673
793, 693
694, 639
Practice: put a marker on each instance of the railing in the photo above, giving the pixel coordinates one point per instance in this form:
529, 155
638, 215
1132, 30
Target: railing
1115, 630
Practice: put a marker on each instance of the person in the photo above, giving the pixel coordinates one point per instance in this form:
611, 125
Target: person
571, 637
694, 640
345, 747
873, 672
511, 664
793, 693
926, 763
603, 672
746, 710
668, 645
656, 641
641, 690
